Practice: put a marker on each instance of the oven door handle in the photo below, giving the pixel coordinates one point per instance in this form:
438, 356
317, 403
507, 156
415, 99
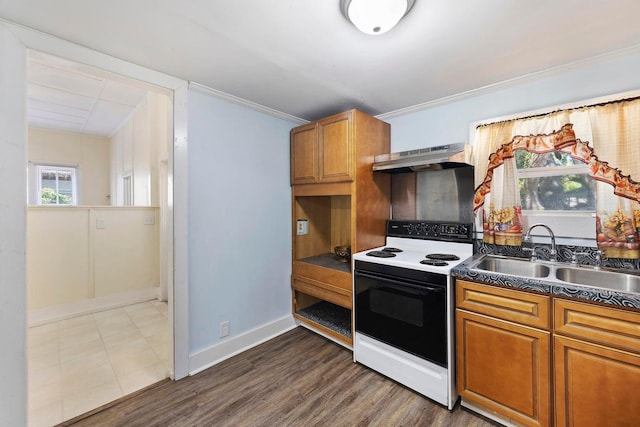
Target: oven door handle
403, 285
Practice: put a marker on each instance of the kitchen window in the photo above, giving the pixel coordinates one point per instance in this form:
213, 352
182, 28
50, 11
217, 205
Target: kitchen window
557, 190
571, 167
554, 182
56, 185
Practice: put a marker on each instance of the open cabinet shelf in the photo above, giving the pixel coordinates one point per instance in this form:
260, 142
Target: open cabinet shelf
338, 201
331, 316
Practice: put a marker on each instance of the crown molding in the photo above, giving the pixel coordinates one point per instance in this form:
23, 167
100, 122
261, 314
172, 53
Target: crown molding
593, 60
245, 103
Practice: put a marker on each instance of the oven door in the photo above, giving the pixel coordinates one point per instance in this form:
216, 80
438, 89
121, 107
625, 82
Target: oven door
403, 308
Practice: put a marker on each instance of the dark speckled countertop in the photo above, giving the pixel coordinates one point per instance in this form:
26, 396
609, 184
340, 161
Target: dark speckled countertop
553, 287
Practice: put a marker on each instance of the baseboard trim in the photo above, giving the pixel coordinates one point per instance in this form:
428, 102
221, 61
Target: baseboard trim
215, 354
42, 316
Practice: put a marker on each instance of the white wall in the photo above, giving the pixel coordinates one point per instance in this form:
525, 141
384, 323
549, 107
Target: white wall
90, 153
70, 258
13, 364
239, 219
137, 149
448, 122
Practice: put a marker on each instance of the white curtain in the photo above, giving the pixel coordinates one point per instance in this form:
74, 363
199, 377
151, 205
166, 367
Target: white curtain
606, 137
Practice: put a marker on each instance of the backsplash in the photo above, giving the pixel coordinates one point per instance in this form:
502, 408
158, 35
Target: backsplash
564, 254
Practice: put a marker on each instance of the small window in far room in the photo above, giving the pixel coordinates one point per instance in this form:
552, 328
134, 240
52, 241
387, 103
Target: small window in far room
56, 185
127, 190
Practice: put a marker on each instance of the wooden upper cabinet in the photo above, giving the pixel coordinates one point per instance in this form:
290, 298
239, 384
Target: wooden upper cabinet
335, 148
323, 151
304, 154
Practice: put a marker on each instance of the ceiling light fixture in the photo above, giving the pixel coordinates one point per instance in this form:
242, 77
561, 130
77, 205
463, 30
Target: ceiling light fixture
375, 16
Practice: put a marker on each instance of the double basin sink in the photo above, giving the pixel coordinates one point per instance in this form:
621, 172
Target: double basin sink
567, 273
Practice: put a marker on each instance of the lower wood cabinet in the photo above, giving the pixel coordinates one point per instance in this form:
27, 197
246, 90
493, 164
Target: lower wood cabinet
530, 359
595, 385
502, 366
596, 365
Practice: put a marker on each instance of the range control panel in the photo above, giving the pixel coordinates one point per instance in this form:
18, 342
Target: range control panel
431, 230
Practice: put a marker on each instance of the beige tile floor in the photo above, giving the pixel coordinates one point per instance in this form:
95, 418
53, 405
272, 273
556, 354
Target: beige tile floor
79, 364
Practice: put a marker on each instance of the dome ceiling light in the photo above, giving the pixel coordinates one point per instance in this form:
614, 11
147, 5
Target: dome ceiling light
375, 16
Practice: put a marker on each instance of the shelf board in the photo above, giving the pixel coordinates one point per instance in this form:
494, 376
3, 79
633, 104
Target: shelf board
331, 316
328, 261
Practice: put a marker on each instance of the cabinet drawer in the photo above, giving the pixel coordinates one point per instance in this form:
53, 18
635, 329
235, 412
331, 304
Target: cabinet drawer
603, 325
335, 278
324, 291
506, 304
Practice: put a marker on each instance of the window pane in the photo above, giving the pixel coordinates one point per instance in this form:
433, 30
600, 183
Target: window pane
559, 192
65, 188
525, 159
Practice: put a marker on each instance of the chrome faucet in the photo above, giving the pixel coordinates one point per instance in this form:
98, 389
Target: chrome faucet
598, 264
553, 255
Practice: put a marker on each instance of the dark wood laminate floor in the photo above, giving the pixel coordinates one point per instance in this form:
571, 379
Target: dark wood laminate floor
296, 379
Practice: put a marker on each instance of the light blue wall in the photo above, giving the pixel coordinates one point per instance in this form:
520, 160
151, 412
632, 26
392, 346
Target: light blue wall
239, 219
449, 123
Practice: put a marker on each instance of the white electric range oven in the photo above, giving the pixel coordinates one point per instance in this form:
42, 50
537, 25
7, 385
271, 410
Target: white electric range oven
404, 305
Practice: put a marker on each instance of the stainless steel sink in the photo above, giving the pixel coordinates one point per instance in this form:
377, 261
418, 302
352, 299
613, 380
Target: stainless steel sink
515, 267
599, 278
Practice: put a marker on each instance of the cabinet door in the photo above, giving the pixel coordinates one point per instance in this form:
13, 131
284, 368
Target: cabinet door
595, 385
504, 367
304, 154
336, 148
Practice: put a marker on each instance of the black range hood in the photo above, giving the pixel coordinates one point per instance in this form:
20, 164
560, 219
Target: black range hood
424, 159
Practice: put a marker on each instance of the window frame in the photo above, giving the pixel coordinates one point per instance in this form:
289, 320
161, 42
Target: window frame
41, 167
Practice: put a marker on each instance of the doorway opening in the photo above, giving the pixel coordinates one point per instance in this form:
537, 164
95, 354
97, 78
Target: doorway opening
99, 270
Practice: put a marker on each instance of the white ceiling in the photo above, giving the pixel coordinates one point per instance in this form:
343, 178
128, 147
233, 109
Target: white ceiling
67, 96
303, 58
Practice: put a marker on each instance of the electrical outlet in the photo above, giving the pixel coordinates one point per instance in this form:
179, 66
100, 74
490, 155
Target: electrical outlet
224, 328
99, 223
302, 227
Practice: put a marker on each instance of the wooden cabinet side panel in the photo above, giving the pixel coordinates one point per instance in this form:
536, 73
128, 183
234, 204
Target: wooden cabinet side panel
372, 196
507, 304
304, 154
605, 325
595, 386
504, 367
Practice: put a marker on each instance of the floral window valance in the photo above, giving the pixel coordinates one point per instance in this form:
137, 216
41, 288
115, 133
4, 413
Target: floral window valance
616, 131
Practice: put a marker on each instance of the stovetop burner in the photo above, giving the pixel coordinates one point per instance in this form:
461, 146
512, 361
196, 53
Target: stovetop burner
381, 254
442, 257
389, 249
434, 262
